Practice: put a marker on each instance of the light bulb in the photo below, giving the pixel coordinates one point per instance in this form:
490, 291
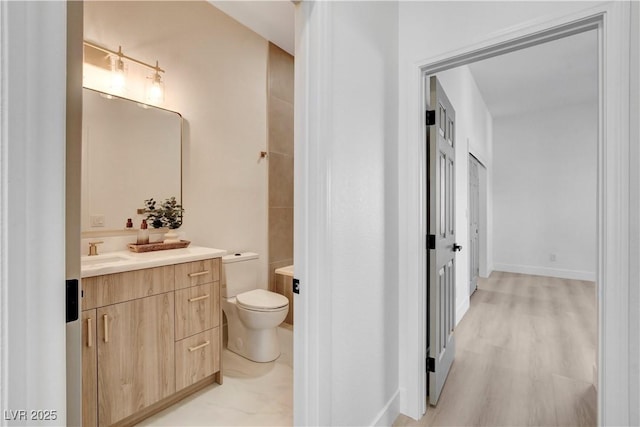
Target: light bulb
155, 89
118, 75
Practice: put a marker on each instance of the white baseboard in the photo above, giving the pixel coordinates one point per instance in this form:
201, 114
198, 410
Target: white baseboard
390, 412
402, 391
545, 271
461, 310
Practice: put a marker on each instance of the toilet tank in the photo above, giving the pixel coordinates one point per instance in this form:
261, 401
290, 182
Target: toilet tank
239, 273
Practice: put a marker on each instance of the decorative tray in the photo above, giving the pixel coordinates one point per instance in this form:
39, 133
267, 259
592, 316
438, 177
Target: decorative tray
158, 246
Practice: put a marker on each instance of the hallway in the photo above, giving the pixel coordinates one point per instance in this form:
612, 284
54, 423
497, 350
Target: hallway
525, 356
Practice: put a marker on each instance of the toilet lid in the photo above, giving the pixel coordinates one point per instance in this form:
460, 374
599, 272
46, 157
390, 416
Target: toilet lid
260, 299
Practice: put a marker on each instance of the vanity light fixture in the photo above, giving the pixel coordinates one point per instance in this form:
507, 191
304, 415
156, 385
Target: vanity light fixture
155, 86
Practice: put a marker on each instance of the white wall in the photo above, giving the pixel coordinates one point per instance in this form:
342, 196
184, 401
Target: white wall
363, 211
346, 145
545, 182
216, 78
32, 239
473, 135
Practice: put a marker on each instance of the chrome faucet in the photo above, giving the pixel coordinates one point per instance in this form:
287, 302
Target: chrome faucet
93, 248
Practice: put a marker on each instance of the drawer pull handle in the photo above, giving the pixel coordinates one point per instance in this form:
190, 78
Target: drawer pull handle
89, 333
201, 273
106, 328
199, 298
204, 344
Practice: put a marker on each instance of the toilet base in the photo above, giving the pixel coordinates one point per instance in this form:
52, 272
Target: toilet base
256, 345
246, 338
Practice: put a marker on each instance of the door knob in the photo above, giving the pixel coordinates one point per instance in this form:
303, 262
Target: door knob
457, 247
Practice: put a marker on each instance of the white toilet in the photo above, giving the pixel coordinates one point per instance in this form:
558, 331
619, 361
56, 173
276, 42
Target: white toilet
253, 314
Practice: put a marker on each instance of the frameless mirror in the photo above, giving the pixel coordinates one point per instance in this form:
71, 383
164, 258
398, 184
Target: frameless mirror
130, 152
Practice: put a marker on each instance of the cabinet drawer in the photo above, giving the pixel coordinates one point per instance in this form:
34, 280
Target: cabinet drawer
197, 357
197, 309
197, 272
108, 289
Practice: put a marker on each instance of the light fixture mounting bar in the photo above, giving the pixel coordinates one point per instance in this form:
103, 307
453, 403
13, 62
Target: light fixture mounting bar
122, 55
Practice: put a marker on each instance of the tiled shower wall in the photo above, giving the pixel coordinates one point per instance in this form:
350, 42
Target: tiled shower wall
280, 122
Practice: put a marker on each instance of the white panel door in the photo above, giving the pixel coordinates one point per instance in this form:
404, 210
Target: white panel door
474, 220
441, 295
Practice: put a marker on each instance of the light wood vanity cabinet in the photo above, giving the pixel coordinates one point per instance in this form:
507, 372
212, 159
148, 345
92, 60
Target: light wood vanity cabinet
145, 344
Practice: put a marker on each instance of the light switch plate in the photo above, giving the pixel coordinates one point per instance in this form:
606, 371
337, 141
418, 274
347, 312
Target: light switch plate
97, 220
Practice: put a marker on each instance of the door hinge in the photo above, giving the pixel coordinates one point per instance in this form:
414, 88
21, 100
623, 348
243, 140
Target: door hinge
431, 241
431, 364
296, 286
431, 117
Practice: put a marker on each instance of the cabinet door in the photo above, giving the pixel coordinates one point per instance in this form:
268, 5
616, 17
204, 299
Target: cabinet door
136, 359
89, 369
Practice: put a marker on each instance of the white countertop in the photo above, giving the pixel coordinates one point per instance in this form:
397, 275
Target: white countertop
117, 262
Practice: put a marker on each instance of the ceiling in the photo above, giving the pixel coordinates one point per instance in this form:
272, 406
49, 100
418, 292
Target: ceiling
272, 19
561, 72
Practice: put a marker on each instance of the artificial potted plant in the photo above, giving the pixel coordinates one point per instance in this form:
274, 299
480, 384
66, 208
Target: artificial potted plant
166, 214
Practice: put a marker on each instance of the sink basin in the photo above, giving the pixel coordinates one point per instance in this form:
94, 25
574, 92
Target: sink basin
91, 261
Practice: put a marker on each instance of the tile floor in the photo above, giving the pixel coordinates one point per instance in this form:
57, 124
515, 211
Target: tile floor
253, 394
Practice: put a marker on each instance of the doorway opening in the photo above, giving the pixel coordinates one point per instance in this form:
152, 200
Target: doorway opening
612, 265
543, 203
216, 327
477, 214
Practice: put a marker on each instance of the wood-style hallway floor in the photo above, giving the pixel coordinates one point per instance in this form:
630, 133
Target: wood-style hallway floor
525, 356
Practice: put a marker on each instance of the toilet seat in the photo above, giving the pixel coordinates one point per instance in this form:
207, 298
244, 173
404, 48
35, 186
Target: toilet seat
261, 300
